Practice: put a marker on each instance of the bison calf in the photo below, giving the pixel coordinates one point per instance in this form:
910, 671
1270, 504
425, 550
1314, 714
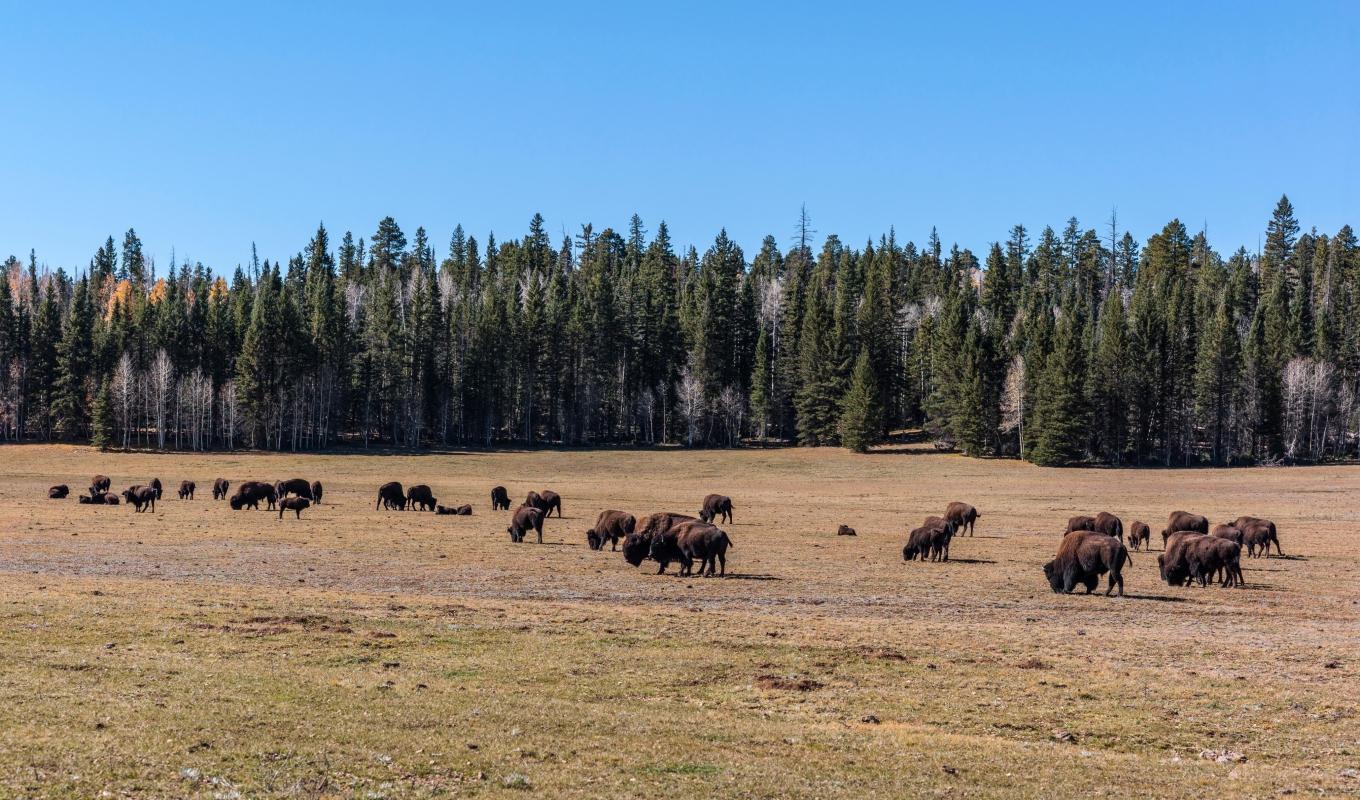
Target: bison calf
294, 504
1140, 535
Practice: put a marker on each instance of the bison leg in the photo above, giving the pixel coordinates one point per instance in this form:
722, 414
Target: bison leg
722, 565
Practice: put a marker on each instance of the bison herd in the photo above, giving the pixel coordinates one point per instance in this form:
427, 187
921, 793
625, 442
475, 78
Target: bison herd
1092, 547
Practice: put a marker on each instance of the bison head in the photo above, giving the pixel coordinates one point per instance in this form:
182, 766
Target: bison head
235, 502
593, 539
1054, 579
635, 549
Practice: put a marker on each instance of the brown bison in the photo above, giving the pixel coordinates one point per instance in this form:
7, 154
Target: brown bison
391, 496
689, 541
141, 497
460, 511
1171, 564
1258, 533
1197, 557
931, 540
294, 504
1082, 558
845, 530
109, 498
526, 518
58, 492
610, 526
545, 501
963, 516
1140, 535
1229, 532
294, 486
1080, 523
918, 544
220, 488
85, 500
637, 545
99, 484
316, 492
1184, 521
250, 493
716, 506
1110, 525
500, 499
420, 495
186, 490
155, 483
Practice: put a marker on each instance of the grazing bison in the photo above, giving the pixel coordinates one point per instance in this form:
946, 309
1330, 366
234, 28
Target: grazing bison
716, 506
500, 499
391, 496
1082, 558
1229, 532
99, 484
963, 516
155, 483
316, 492
1193, 556
610, 526
637, 546
461, 511
420, 495
1258, 533
220, 488
186, 490
1171, 564
58, 492
1110, 525
545, 501
526, 518
918, 544
295, 486
1140, 535
141, 497
294, 504
1080, 523
1184, 521
250, 493
942, 533
845, 530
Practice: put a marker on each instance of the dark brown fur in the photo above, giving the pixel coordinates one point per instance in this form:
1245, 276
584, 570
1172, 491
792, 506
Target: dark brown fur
141, 497
963, 516
1260, 533
1110, 525
58, 492
294, 504
391, 496
100, 484
220, 488
1184, 521
1082, 558
610, 526
420, 495
500, 499
526, 518
186, 490
1140, 535
1080, 523
716, 506
845, 530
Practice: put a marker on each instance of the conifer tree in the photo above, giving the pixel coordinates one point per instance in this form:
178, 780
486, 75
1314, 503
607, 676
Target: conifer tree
861, 416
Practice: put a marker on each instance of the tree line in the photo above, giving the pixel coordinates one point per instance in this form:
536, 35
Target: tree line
1067, 347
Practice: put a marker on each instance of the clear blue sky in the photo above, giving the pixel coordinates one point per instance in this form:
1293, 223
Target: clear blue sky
208, 129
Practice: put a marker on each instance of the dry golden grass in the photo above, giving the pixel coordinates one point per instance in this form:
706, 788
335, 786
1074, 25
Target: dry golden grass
197, 652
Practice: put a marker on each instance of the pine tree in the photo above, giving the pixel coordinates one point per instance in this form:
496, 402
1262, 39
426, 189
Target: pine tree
1061, 422
1217, 381
103, 419
861, 416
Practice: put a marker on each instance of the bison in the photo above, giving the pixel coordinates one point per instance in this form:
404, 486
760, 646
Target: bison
1229, 532
705, 543
716, 506
1082, 558
1110, 525
294, 486
84, 500
391, 496
1258, 533
186, 490
845, 530
460, 511
1140, 535
637, 545
918, 544
109, 498
963, 516
294, 504
250, 493
1184, 521
942, 534
545, 501
316, 492
141, 497
99, 484
500, 499
1197, 557
58, 492
155, 483
1080, 523
1171, 564
420, 495
610, 526
526, 518
220, 488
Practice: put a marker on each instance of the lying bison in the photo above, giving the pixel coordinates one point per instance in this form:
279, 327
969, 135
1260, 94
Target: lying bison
716, 506
100, 484
141, 497
1184, 521
526, 518
294, 486
250, 493
220, 488
391, 496
99, 499
1082, 558
420, 495
1258, 533
845, 530
460, 511
1140, 535
690, 541
186, 490
500, 499
294, 504
963, 516
610, 526
58, 492
316, 492
637, 545
545, 501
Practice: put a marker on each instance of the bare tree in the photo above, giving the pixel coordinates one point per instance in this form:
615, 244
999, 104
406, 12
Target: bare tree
124, 391
690, 402
162, 380
646, 406
1013, 401
733, 408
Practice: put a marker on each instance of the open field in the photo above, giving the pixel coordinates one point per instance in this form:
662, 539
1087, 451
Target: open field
357, 653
